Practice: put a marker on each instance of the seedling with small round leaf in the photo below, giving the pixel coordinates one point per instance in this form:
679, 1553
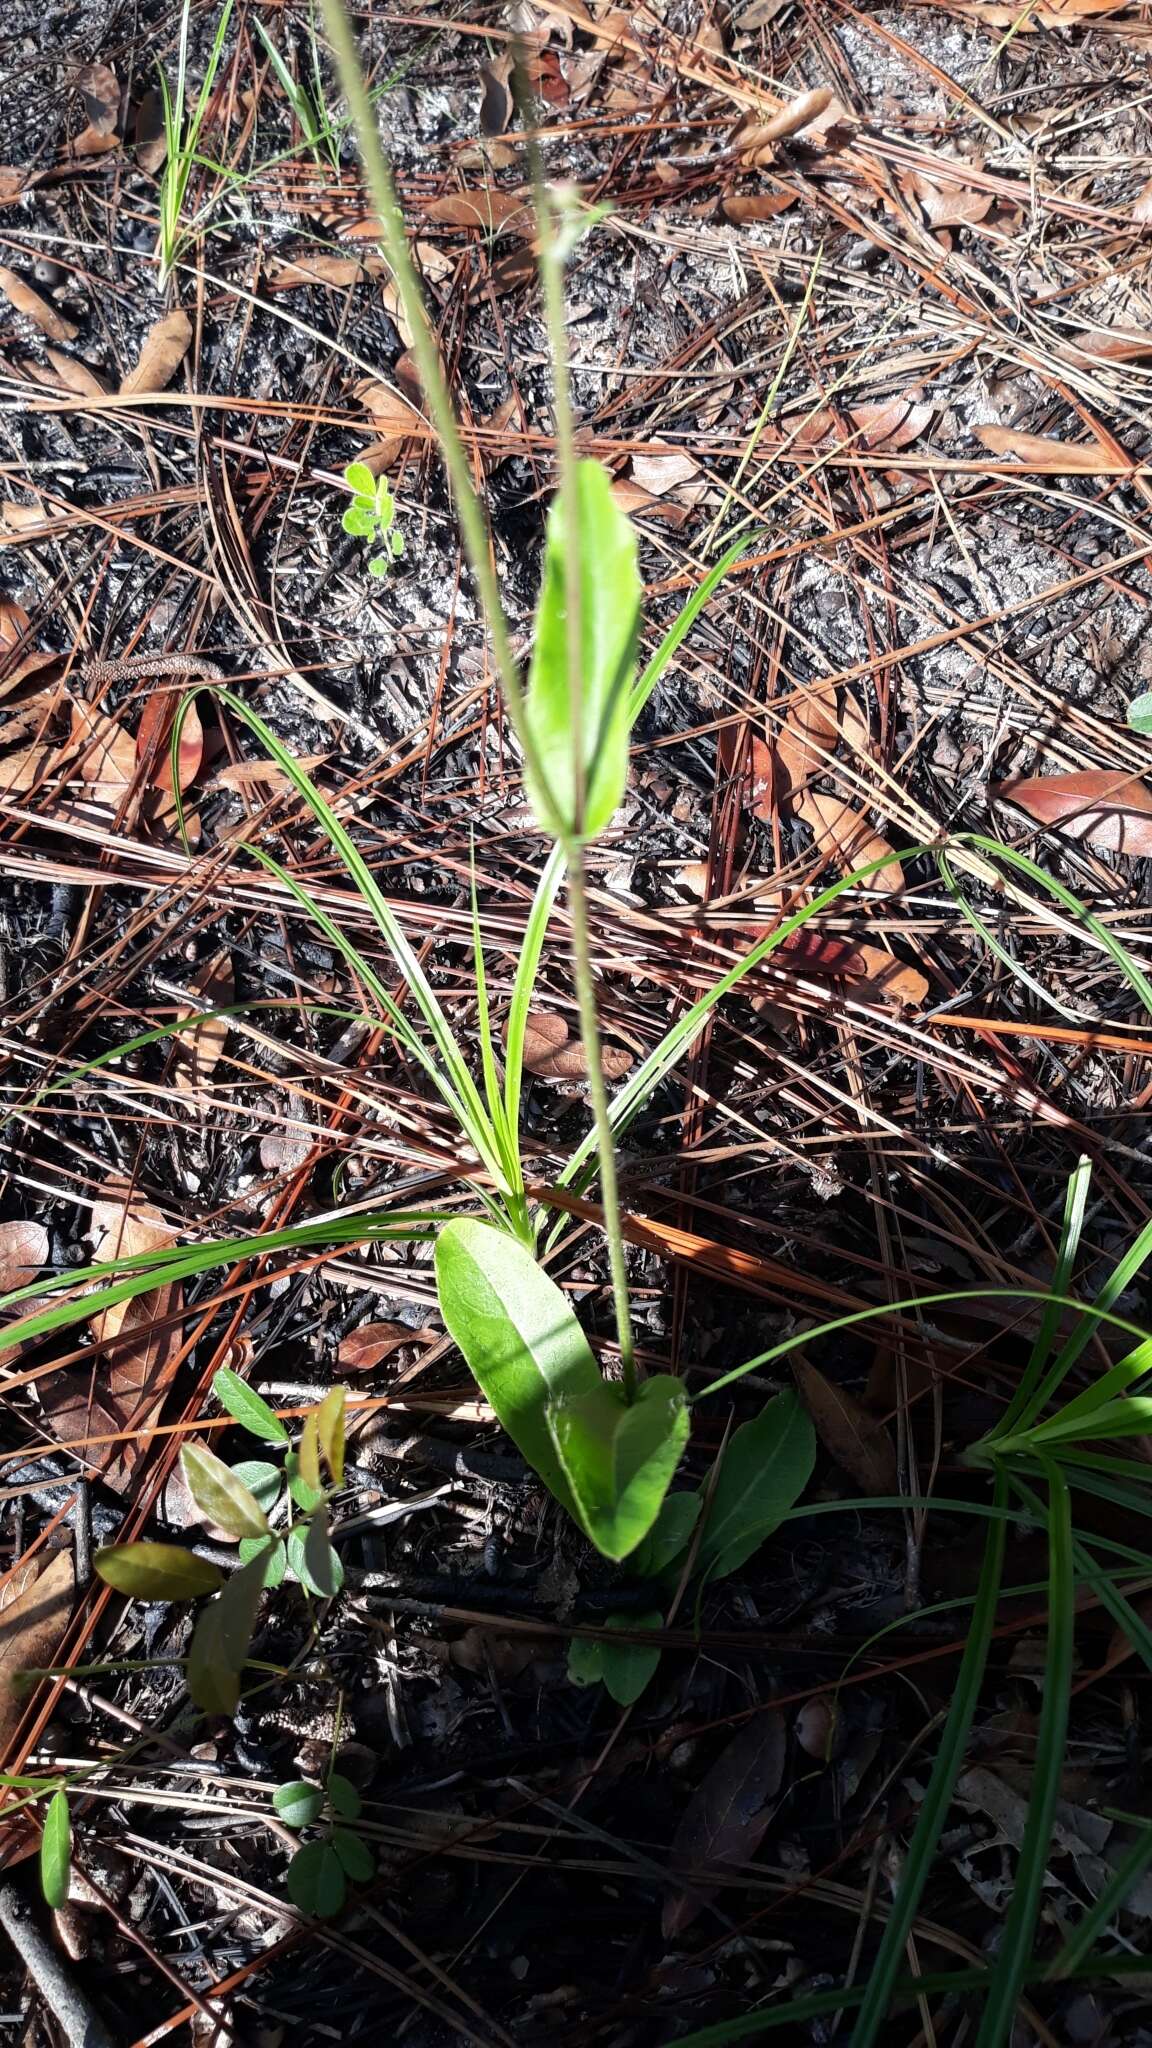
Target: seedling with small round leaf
372, 515
319, 1869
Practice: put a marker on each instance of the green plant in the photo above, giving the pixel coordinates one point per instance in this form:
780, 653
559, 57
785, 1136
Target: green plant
371, 515
244, 1502
183, 123
320, 134
319, 1870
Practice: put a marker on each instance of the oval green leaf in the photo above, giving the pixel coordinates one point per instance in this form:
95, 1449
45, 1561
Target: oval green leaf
627, 1668
219, 1495
357, 1858
518, 1334
343, 1797
56, 1851
305, 1496
300, 1560
221, 1638
359, 478
766, 1467
255, 1546
298, 1804
157, 1571
262, 1479
619, 1459
316, 1880
246, 1406
603, 569
330, 1431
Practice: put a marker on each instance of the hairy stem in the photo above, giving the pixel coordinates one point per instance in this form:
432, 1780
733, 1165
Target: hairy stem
605, 1145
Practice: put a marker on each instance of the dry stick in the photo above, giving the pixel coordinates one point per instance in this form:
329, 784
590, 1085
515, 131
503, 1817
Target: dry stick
79, 2021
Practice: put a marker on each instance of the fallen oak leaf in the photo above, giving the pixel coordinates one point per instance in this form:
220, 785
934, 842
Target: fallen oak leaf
41, 312
1108, 808
76, 376
35, 1608
728, 1816
948, 205
484, 207
890, 423
368, 1346
552, 1055
739, 207
164, 349
856, 1439
24, 1251
843, 834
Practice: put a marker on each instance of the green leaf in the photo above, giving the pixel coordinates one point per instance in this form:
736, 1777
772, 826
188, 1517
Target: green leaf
396, 542
330, 1431
766, 1467
669, 1535
262, 1479
343, 1797
298, 1804
360, 520
1140, 713
308, 1454
299, 1563
157, 1571
359, 478
319, 1558
305, 1496
585, 1661
220, 1640
518, 1334
619, 1459
607, 579
627, 1668
246, 1406
219, 1495
316, 1880
255, 1546
355, 1855
385, 503
56, 1851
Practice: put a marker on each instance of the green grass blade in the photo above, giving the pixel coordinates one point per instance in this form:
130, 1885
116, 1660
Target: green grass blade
1108, 943
1023, 1408
682, 625
1019, 1927
889, 1961
1134, 1866
996, 947
524, 986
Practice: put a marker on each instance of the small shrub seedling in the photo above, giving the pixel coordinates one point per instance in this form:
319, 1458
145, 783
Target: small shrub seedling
244, 1502
371, 516
319, 1870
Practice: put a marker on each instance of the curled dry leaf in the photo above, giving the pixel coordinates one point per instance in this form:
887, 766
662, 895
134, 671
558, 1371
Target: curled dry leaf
633, 499
740, 207
165, 347
151, 141
1110, 345
849, 1433
14, 625
844, 835
798, 114
317, 267
659, 473
496, 101
1105, 807
124, 1226
23, 1253
35, 1608
891, 423
393, 417
551, 1054
729, 1815
1053, 458
368, 1346
41, 312
90, 776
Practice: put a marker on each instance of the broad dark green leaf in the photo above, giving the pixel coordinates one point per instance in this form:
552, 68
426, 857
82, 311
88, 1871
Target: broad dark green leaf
56, 1851
157, 1571
603, 571
669, 1535
316, 1880
766, 1467
585, 1660
627, 1668
355, 1855
619, 1459
298, 1804
299, 1563
518, 1334
343, 1797
219, 1495
246, 1406
222, 1636
262, 1479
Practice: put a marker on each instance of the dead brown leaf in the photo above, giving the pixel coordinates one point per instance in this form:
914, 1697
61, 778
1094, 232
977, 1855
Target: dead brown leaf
1110, 345
890, 423
316, 267
151, 141
1052, 458
101, 89
41, 312
754, 142
633, 499
857, 1441
368, 1346
76, 376
1025, 20
947, 205
844, 835
660, 473
496, 102
14, 625
35, 1608
195, 1052
1108, 809
729, 1815
739, 207
165, 347
553, 1055
484, 207
92, 773
124, 1226
23, 1253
